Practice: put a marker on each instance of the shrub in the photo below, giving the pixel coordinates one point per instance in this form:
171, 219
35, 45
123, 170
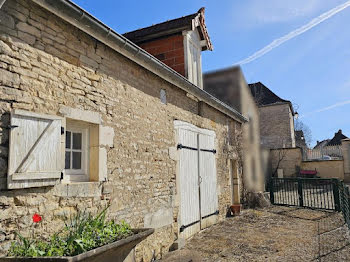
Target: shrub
82, 233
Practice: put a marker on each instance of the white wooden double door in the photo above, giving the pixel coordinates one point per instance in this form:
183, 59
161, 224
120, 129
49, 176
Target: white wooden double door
197, 178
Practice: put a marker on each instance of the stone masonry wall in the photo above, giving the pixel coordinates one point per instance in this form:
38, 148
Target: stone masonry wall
275, 126
287, 159
45, 63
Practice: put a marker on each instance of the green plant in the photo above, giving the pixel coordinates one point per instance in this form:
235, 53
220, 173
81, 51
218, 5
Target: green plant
82, 233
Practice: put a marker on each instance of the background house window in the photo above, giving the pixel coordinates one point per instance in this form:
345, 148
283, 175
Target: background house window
77, 153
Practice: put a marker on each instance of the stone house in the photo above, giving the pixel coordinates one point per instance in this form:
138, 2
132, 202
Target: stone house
90, 118
276, 118
179, 43
321, 144
327, 149
230, 86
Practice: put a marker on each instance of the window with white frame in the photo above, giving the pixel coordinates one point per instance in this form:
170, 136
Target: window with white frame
44, 148
77, 152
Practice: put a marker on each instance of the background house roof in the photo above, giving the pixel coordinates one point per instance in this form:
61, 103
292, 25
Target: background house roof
336, 140
322, 143
264, 96
171, 27
174, 25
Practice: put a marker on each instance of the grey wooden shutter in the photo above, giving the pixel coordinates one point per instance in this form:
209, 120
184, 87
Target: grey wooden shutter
35, 154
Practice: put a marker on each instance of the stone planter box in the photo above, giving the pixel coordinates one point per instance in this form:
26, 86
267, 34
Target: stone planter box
115, 252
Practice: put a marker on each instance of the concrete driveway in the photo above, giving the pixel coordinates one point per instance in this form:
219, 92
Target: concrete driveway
271, 234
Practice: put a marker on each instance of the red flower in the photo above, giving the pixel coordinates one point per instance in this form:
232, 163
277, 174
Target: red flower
36, 218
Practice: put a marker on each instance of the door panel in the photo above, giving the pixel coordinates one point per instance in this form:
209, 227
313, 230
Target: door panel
197, 178
208, 193
189, 191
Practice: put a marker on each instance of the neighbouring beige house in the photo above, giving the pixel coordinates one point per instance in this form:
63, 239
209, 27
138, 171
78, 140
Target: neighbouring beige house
230, 86
276, 118
330, 158
88, 117
291, 161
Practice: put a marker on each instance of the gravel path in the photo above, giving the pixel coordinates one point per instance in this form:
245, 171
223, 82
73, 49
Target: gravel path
272, 234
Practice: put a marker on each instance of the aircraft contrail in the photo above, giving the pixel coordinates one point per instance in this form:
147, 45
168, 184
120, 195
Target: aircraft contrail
279, 41
327, 108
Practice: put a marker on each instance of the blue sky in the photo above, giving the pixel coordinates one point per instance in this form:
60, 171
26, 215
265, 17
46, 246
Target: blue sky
311, 70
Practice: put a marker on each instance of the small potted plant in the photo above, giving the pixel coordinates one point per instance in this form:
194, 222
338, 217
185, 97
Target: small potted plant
236, 209
84, 238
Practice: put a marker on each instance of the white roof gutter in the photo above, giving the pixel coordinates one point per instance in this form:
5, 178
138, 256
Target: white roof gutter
81, 19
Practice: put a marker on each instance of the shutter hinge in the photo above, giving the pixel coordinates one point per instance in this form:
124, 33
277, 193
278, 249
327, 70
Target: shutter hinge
11, 127
207, 150
62, 130
181, 146
61, 175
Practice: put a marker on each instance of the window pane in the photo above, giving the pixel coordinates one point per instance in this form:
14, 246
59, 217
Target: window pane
76, 160
67, 161
77, 139
68, 139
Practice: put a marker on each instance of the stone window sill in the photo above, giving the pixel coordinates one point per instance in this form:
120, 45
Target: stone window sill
78, 189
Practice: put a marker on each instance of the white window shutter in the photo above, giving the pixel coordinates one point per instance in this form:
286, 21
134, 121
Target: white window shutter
35, 154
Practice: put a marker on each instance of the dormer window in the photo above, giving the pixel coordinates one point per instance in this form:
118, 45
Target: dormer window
178, 43
193, 62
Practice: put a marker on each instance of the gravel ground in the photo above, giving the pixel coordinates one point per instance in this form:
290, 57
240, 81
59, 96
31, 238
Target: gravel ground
271, 234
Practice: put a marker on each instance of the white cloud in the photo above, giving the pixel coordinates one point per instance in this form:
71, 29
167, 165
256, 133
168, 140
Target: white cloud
250, 14
347, 102
272, 11
279, 41
258, 12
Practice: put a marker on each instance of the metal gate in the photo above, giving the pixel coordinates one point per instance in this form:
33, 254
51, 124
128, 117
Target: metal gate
305, 192
197, 178
317, 193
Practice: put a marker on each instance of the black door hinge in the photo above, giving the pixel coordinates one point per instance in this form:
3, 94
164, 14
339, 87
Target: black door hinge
215, 213
208, 150
62, 130
181, 146
61, 175
182, 228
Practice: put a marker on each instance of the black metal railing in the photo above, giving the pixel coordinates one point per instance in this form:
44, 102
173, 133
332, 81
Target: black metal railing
316, 193
305, 192
344, 198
